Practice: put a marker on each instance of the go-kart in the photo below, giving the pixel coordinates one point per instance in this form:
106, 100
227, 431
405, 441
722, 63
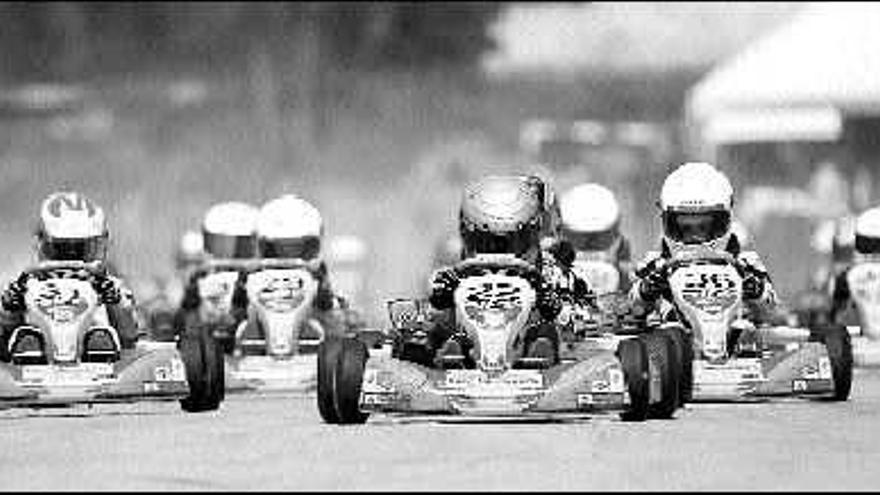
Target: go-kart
275, 347
861, 316
361, 374
734, 360
66, 352
600, 272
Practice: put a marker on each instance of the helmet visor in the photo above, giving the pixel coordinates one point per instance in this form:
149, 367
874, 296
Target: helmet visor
592, 241
304, 248
867, 245
517, 243
696, 227
83, 249
229, 246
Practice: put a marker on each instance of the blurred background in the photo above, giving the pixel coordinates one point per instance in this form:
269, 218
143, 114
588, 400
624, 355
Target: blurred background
379, 112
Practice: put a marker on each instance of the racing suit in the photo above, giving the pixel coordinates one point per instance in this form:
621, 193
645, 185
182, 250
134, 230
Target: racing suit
555, 279
117, 299
651, 286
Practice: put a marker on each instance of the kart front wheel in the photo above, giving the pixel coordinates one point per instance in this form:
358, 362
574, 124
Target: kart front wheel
839, 345
683, 344
633, 356
328, 357
663, 354
205, 369
349, 379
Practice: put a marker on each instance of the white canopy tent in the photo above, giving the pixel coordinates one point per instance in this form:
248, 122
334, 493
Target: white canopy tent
795, 84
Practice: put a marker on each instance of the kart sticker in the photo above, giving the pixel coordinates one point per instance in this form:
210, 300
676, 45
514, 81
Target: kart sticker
215, 289
501, 300
708, 288
60, 300
282, 290
173, 372
864, 283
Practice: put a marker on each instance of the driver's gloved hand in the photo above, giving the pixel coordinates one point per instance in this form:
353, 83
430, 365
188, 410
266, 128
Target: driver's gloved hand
443, 286
564, 253
753, 286
13, 296
549, 303
108, 290
653, 285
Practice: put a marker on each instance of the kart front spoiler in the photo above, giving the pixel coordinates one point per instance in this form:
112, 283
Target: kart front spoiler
149, 372
799, 370
295, 374
590, 386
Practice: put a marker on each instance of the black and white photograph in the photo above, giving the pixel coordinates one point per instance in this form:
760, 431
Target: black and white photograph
439, 246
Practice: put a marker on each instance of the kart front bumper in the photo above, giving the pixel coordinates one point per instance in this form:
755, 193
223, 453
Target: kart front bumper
270, 374
591, 386
801, 370
153, 372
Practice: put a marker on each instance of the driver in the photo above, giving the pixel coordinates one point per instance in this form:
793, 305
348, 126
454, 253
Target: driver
71, 227
508, 215
229, 237
696, 202
591, 222
291, 228
866, 246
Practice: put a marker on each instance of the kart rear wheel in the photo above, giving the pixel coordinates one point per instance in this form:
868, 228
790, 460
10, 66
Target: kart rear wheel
839, 345
633, 355
349, 379
685, 351
205, 370
662, 353
328, 357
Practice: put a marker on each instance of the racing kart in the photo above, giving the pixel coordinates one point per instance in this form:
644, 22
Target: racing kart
735, 360
275, 347
66, 352
600, 272
861, 317
361, 374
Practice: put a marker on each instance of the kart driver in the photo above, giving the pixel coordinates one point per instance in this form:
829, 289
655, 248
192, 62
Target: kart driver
291, 228
591, 223
696, 202
71, 227
507, 215
228, 237
866, 246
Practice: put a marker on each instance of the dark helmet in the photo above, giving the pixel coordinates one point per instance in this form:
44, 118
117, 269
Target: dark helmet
503, 215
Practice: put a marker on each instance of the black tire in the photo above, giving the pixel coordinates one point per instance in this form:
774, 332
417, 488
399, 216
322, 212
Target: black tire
349, 379
662, 353
685, 351
328, 357
205, 371
839, 344
633, 357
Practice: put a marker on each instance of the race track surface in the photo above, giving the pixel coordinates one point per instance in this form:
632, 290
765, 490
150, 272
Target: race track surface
279, 443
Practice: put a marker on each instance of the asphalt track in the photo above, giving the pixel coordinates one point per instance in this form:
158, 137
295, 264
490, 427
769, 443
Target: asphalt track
279, 443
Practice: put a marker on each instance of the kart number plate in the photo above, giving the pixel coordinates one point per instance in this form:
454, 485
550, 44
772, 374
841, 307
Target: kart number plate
173, 372
704, 372
85, 372
515, 378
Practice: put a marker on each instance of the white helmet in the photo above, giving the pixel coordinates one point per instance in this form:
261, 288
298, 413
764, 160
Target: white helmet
696, 200
868, 232
71, 227
289, 227
191, 249
228, 230
590, 217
